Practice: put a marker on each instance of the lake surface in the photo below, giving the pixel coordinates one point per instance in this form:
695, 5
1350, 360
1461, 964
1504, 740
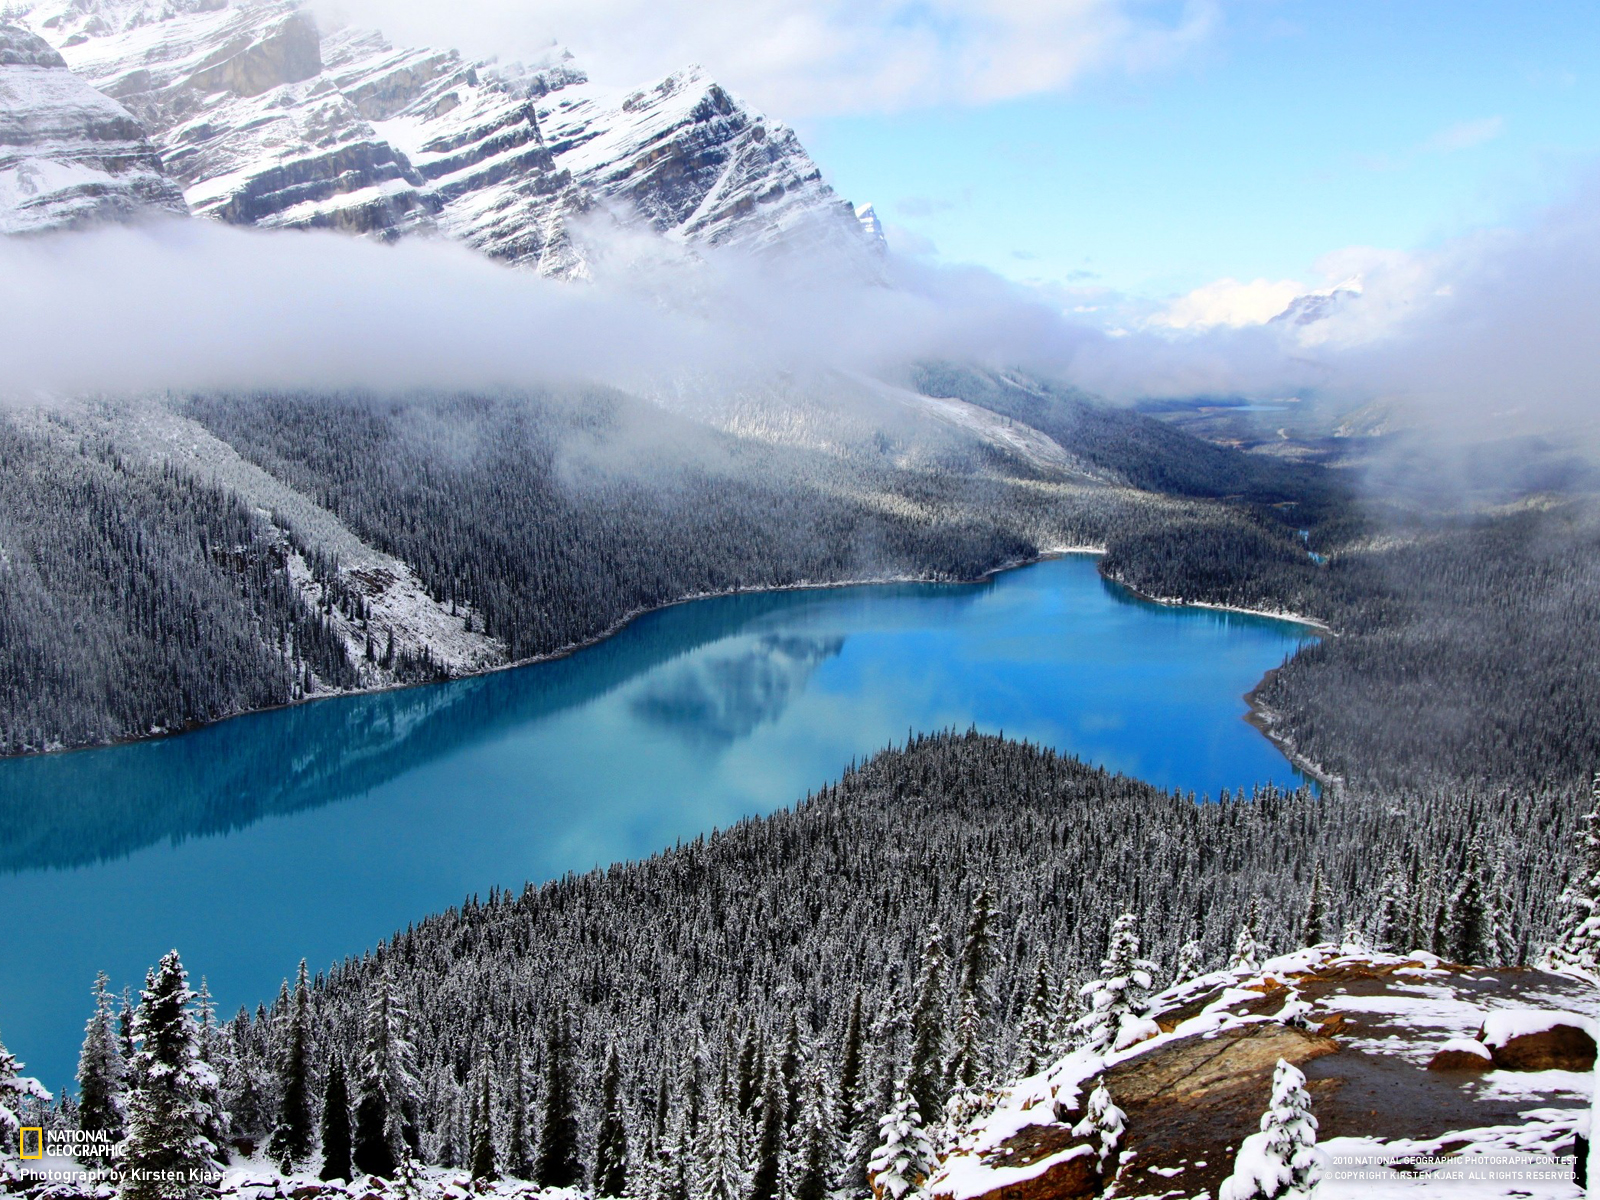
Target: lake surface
318, 830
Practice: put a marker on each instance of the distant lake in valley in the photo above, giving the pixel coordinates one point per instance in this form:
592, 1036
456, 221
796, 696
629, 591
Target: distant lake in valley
315, 831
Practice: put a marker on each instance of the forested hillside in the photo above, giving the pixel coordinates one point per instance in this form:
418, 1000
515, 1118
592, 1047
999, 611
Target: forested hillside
532, 523
752, 1005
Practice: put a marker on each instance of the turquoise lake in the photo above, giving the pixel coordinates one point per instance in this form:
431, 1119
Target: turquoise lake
316, 831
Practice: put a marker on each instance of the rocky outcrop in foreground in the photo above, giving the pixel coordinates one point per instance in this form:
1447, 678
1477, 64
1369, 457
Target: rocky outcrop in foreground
69, 156
1365, 1029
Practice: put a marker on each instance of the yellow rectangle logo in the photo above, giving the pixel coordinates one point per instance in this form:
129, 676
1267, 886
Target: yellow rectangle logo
30, 1137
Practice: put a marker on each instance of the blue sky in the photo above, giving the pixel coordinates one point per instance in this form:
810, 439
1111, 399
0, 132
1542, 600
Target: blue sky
1288, 130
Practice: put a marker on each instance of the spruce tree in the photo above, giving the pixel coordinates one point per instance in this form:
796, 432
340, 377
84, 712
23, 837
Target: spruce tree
1117, 999
1467, 925
752, 1069
766, 1175
1035, 1039
719, 1151
789, 1070
102, 1074
1246, 957
1389, 923
558, 1164
1191, 962
925, 1076
167, 1153
482, 1163
904, 1157
388, 1087
850, 1066
519, 1144
291, 1140
1103, 1124
813, 1151
16, 1091
1282, 1161
336, 1147
1577, 945
977, 947
1316, 915
611, 1139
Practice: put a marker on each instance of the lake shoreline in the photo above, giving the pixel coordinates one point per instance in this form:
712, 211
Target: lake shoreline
1258, 716
629, 618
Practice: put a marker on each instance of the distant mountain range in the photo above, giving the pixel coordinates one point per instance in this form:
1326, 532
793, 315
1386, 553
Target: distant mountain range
249, 112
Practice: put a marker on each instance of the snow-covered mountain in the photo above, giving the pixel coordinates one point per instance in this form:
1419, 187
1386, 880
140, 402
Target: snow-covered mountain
68, 154
265, 119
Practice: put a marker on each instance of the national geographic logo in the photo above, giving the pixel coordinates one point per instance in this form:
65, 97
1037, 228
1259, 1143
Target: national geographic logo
69, 1143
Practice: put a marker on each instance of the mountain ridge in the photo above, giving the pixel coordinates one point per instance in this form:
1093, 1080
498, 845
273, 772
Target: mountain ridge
266, 119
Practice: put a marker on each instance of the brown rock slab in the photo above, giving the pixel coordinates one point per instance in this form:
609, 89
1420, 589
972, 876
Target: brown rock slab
1073, 1179
1197, 1066
1459, 1060
1559, 1048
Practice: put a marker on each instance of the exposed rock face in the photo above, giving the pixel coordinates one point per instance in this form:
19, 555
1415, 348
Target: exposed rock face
267, 122
1364, 1027
69, 156
1462, 1054
1559, 1048
1243, 1057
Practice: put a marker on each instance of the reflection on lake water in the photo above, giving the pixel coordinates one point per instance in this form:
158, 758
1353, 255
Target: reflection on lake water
319, 829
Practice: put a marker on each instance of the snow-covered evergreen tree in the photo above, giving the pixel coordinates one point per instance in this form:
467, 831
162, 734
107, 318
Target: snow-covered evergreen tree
904, 1158
1282, 1161
767, 1170
336, 1124
558, 1163
388, 1088
1467, 925
519, 1141
851, 1063
925, 1077
1312, 924
611, 1139
1390, 925
719, 1151
292, 1138
1577, 945
977, 949
16, 1091
1035, 1039
812, 1155
878, 1093
1064, 1029
483, 1161
1103, 1124
102, 1073
1116, 1016
1246, 955
168, 1155
1191, 962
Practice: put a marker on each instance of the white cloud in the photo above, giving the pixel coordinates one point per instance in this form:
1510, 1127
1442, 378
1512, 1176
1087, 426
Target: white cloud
1464, 135
809, 57
1231, 303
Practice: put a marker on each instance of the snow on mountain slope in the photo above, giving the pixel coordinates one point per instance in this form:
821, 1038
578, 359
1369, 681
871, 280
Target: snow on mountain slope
68, 155
399, 605
265, 120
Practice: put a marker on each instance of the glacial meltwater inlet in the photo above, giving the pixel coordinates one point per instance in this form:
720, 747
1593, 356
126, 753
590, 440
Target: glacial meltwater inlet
318, 830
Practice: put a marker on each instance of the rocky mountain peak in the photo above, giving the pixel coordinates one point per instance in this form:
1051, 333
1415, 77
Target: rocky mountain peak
69, 156
265, 119
19, 48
